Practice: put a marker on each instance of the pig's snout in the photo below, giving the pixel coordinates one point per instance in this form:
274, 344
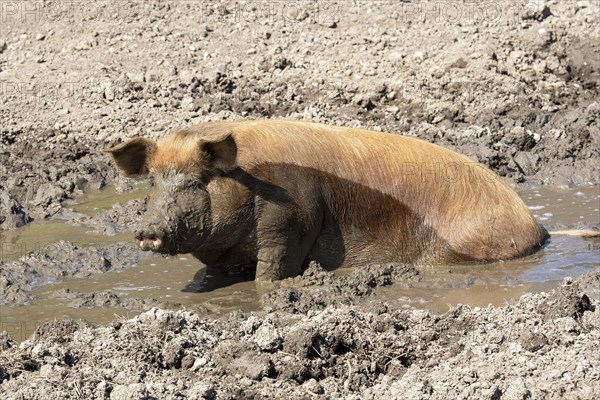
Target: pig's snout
149, 240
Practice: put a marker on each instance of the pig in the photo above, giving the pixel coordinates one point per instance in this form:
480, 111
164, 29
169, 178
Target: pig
275, 195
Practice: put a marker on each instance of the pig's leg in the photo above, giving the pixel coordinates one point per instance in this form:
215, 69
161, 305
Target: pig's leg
279, 250
279, 260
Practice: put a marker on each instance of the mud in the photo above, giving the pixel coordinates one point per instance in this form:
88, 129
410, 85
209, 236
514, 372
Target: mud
119, 218
78, 238
514, 86
109, 300
543, 346
59, 260
345, 334
519, 94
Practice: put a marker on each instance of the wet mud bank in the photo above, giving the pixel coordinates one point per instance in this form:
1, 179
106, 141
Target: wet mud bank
60, 260
516, 89
542, 346
163, 328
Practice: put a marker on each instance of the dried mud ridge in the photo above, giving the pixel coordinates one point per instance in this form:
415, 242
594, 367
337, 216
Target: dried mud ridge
516, 88
543, 346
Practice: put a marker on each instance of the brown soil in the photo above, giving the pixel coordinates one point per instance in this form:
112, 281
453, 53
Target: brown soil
513, 84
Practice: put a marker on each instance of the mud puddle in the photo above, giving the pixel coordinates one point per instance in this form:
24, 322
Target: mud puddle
38, 235
95, 200
181, 281
480, 285
176, 282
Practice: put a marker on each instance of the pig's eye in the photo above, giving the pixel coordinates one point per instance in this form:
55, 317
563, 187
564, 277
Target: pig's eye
193, 184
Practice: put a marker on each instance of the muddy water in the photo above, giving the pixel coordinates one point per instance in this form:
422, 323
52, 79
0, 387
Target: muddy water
183, 279
38, 235
96, 200
174, 279
563, 256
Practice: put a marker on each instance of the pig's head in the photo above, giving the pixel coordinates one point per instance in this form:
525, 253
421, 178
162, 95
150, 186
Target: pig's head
180, 166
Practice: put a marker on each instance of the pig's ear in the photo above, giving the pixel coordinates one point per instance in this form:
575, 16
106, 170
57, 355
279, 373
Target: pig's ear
222, 152
131, 157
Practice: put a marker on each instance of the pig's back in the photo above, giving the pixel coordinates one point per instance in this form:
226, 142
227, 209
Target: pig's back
398, 190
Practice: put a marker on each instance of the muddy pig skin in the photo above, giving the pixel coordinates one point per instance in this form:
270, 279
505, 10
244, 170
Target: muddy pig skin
278, 194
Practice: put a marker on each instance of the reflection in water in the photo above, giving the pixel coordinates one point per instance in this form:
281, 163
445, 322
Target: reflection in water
182, 279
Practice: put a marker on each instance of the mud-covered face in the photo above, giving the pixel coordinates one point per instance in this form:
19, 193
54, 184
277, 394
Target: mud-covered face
180, 166
178, 216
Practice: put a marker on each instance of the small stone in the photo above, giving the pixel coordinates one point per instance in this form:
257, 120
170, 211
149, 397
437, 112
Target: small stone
567, 325
293, 13
496, 338
267, 337
109, 93
187, 362
135, 77
419, 55
313, 386
40, 36
533, 341
594, 107
198, 363
528, 162
170, 70
186, 76
202, 391
536, 136
536, 10
189, 104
